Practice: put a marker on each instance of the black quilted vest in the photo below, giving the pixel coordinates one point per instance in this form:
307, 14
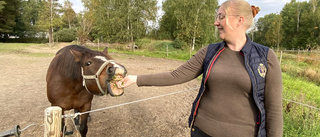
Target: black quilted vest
255, 56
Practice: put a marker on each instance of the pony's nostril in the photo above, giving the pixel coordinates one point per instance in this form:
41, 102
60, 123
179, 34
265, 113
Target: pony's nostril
110, 70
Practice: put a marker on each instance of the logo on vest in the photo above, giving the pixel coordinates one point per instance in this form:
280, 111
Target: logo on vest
262, 70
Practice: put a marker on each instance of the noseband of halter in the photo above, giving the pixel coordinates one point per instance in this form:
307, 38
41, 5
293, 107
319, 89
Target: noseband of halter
96, 77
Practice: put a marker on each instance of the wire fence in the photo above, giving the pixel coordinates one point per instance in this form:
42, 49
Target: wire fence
297, 54
17, 131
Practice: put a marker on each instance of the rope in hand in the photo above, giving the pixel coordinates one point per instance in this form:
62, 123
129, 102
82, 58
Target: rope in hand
77, 114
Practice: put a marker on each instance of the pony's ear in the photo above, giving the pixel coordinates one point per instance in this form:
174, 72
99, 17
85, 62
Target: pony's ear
76, 54
105, 51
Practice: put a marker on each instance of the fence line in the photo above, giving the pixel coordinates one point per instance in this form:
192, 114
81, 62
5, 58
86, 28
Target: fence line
16, 131
282, 53
300, 57
303, 51
302, 104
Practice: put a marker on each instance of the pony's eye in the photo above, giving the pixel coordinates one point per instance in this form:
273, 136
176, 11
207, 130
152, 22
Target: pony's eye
88, 63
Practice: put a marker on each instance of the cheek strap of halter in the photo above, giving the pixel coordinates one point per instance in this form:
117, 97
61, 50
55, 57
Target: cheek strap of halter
96, 77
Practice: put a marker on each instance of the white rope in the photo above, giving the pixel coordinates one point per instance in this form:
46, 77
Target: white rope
75, 126
33, 124
302, 104
76, 114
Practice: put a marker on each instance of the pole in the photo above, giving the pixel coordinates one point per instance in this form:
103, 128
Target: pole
298, 54
167, 51
280, 58
98, 44
52, 121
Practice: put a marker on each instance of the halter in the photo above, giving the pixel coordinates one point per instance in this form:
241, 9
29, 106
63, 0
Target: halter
96, 77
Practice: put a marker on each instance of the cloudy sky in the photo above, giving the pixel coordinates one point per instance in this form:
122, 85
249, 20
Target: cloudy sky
267, 6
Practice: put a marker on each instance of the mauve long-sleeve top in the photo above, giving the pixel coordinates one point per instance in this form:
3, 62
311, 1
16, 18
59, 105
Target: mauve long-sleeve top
227, 107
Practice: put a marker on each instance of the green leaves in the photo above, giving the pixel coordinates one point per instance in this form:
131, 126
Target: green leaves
69, 16
8, 15
121, 21
189, 20
2, 3
49, 17
299, 26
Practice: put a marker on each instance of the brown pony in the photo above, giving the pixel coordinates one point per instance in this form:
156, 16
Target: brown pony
77, 73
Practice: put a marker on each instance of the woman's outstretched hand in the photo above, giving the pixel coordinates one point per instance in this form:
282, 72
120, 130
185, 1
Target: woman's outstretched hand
127, 81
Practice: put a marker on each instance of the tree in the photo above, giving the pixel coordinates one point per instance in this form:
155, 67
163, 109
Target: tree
168, 22
310, 21
189, 20
2, 3
298, 24
27, 19
49, 17
289, 16
86, 26
121, 21
8, 17
298, 19
69, 16
274, 33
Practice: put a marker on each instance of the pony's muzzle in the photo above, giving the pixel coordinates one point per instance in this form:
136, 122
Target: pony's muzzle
119, 73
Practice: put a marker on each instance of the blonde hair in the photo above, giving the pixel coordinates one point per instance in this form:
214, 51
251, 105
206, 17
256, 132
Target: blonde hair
240, 8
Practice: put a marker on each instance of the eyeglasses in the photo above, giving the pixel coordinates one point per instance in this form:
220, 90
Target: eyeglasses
220, 17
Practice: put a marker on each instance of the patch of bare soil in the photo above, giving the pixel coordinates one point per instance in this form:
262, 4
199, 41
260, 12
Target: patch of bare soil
23, 99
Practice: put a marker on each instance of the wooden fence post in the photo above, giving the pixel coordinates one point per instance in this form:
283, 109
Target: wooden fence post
167, 50
280, 57
98, 44
298, 54
52, 122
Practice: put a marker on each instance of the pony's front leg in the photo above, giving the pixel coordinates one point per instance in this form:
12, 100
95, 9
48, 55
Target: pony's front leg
83, 126
84, 119
77, 118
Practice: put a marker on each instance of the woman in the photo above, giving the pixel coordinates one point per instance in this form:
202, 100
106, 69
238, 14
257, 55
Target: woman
241, 89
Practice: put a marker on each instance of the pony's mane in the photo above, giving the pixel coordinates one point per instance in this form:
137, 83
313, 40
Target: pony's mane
65, 62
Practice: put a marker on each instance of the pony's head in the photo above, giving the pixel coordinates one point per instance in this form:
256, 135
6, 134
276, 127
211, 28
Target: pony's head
98, 70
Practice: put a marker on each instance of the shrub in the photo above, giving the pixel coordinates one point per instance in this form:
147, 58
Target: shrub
143, 43
178, 43
65, 35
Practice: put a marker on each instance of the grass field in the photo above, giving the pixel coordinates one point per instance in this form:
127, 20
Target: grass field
23, 49
301, 82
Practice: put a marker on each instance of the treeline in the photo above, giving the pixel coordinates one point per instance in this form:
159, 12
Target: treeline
297, 26
37, 21
188, 21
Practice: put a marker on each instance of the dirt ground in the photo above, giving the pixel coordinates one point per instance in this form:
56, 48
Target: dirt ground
23, 98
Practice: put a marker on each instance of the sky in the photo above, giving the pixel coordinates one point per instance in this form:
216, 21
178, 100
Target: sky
267, 6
